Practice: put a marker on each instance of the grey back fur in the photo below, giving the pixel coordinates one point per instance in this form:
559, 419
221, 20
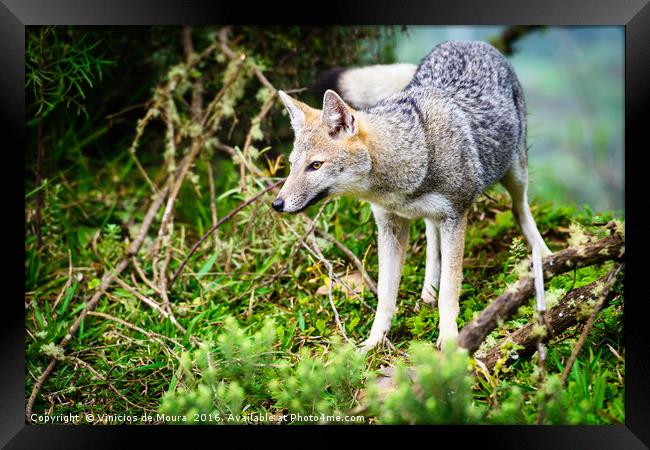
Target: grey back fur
456, 128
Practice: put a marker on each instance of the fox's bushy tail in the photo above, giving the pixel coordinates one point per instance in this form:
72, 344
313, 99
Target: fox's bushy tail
362, 87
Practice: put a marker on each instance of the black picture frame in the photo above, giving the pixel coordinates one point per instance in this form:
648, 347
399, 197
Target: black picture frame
634, 15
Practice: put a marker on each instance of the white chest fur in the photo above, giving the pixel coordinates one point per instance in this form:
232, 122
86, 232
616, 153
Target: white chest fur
431, 205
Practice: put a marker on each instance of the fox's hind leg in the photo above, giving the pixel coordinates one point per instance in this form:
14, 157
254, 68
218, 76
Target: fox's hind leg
432, 265
516, 182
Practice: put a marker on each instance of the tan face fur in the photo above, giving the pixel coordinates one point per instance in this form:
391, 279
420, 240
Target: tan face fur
330, 153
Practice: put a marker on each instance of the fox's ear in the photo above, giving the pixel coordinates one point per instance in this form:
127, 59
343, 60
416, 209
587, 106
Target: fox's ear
296, 113
337, 115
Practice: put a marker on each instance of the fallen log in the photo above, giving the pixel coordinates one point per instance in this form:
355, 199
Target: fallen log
574, 308
506, 305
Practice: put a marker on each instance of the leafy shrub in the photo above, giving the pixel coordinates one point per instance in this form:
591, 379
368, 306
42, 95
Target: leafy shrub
440, 391
222, 379
320, 386
241, 375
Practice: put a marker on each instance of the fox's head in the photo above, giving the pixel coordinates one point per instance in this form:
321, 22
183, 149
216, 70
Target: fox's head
330, 153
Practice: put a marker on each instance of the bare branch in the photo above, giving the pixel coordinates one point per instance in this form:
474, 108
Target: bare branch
223, 39
608, 283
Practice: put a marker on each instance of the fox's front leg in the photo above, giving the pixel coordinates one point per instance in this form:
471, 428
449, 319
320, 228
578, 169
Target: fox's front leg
393, 233
452, 245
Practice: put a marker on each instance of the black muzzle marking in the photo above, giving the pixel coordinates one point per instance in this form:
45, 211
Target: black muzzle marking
315, 199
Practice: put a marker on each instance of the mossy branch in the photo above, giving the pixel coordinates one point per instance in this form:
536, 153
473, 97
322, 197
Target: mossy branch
568, 312
504, 306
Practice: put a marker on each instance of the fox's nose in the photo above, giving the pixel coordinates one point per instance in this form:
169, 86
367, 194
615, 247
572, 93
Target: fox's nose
278, 204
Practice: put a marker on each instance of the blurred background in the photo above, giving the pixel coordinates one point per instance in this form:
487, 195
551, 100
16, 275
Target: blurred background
573, 80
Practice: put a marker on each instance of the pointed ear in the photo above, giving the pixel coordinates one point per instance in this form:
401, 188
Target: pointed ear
296, 113
337, 115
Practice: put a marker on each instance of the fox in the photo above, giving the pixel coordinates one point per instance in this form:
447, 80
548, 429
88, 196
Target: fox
417, 142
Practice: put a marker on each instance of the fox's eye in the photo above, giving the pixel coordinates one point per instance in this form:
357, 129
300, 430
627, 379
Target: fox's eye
315, 165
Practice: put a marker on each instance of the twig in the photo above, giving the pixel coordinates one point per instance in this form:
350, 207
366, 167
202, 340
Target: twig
135, 328
197, 89
163, 280
197, 142
249, 138
209, 121
352, 257
312, 229
201, 119
340, 280
67, 283
142, 123
218, 224
149, 334
100, 377
213, 201
235, 154
143, 277
197, 145
609, 282
162, 94
149, 302
223, 39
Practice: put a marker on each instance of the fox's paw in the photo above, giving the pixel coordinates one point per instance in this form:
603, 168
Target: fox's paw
370, 343
429, 297
445, 337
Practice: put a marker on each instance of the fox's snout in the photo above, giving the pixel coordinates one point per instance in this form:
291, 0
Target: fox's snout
278, 204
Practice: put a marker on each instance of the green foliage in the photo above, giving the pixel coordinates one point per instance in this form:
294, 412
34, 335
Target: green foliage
110, 246
324, 385
219, 381
60, 65
441, 392
240, 375
589, 385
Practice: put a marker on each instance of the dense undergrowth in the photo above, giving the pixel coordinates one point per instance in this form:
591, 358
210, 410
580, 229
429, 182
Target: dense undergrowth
228, 295
257, 301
